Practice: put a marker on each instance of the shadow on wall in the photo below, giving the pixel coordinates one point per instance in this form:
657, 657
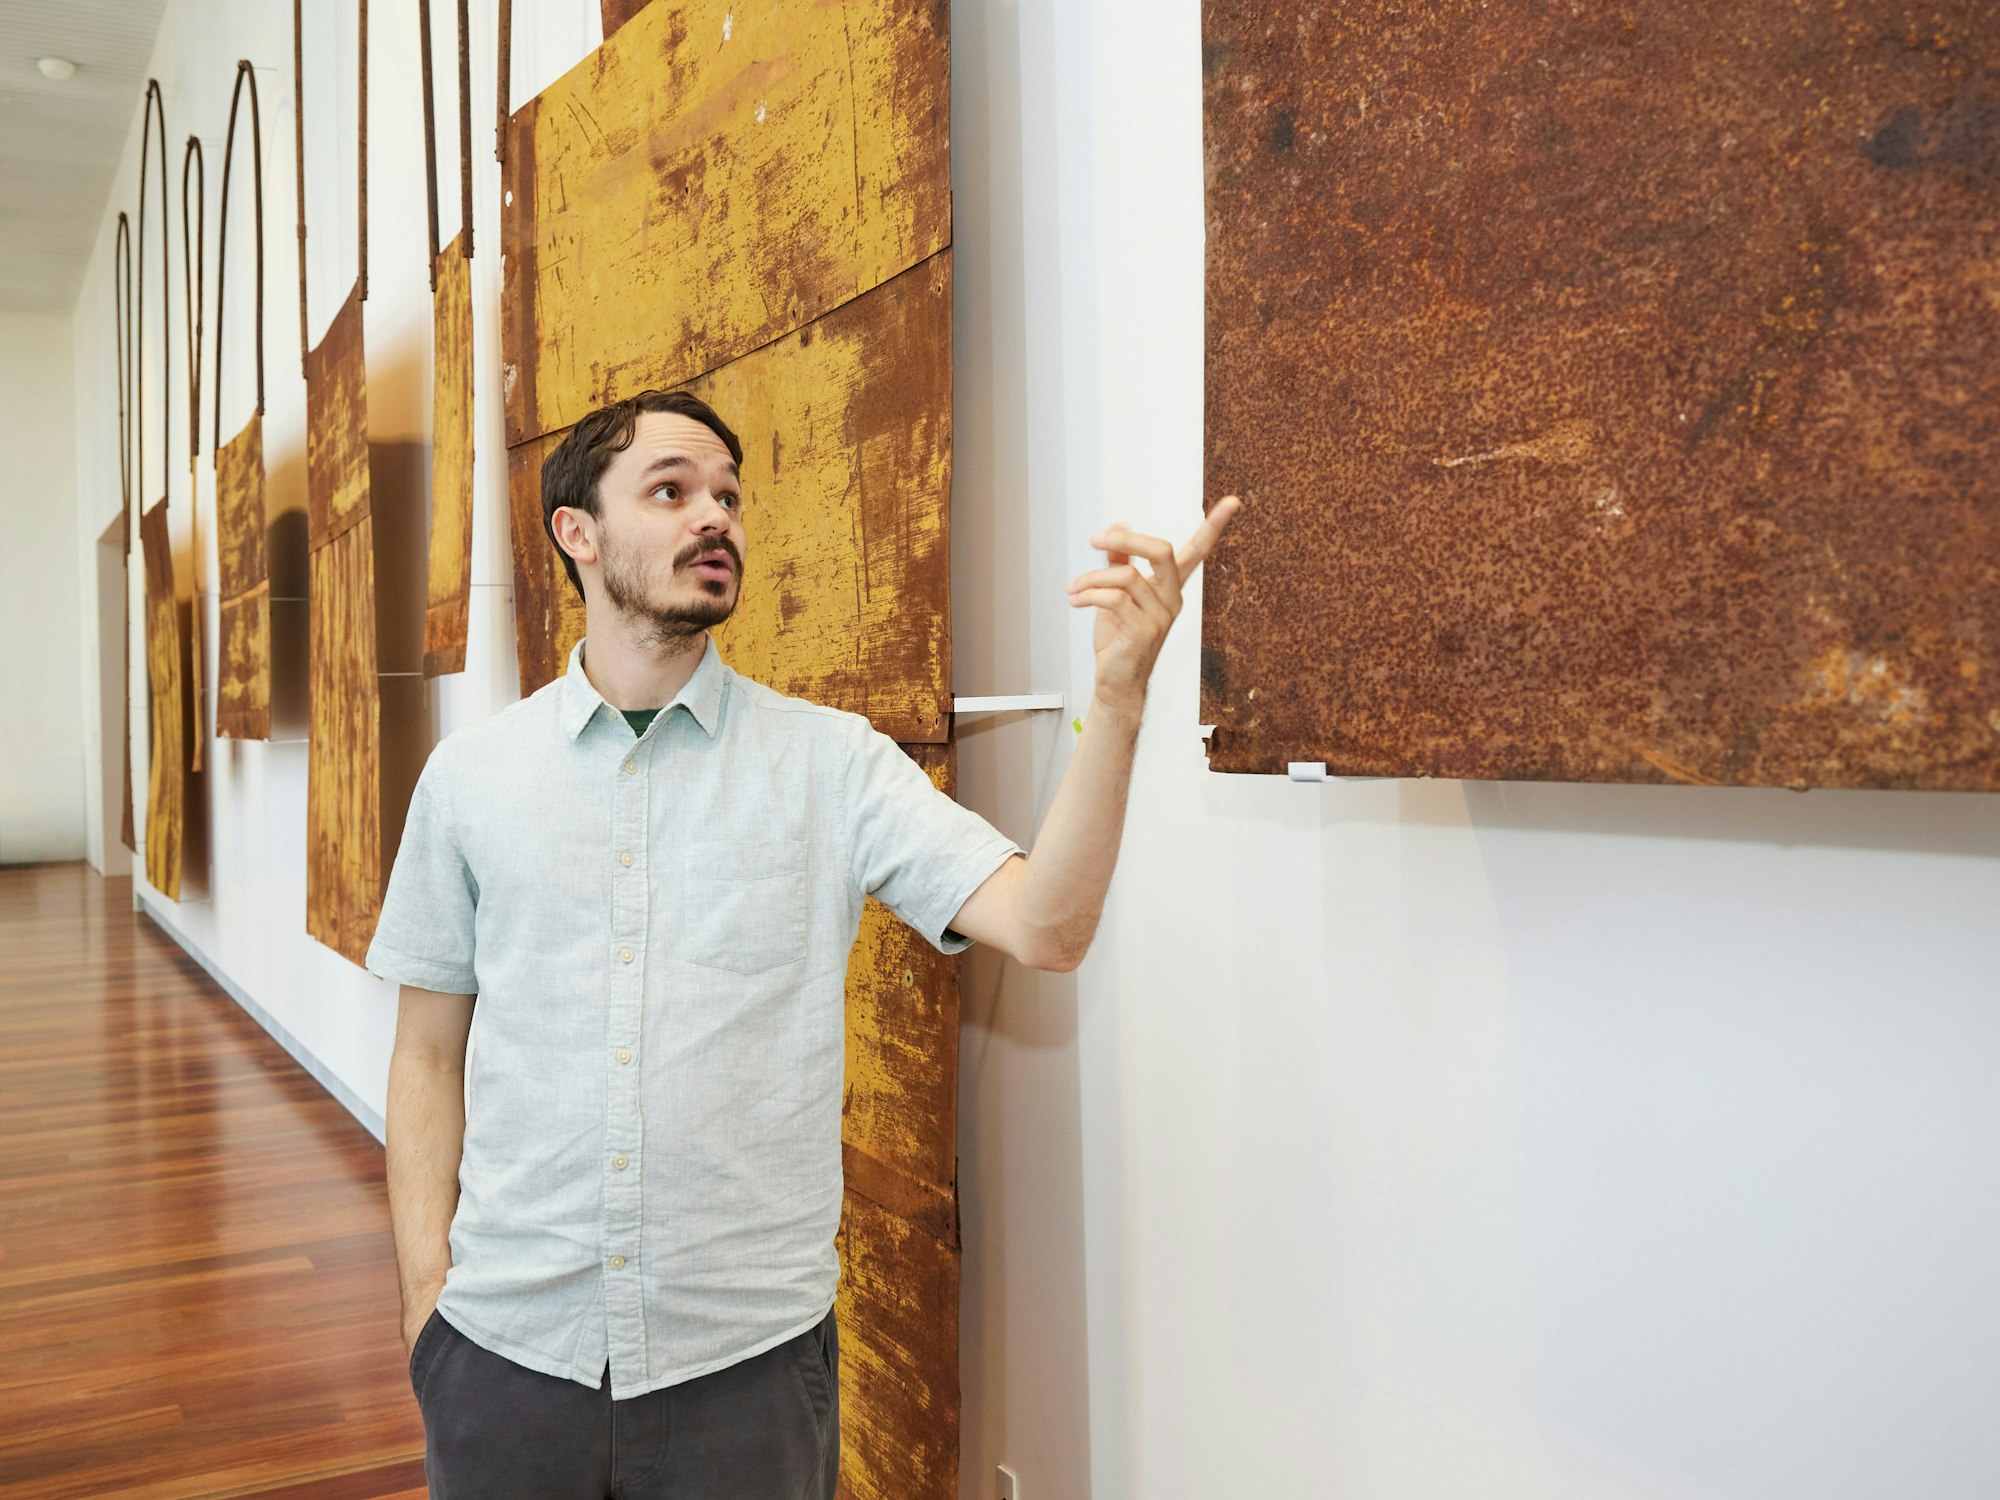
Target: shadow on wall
1962, 823
1955, 823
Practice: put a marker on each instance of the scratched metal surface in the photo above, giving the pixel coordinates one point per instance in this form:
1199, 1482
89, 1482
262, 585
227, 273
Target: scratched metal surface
1613, 390
243, 686
345, 868
448, 600
715, 176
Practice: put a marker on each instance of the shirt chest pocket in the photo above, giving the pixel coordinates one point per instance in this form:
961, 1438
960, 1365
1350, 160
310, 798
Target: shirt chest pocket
745, 904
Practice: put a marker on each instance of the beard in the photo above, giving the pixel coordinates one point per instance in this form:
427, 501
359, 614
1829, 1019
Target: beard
630, 580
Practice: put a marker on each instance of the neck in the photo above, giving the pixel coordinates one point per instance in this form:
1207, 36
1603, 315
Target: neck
629, 673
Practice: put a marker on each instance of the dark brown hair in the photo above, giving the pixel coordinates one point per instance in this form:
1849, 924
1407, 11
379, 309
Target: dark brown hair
570, 474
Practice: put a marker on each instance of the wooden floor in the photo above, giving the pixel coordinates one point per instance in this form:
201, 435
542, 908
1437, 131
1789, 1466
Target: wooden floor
197, 1282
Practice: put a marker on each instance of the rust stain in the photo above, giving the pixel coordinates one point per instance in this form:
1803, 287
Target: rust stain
712, 178
450, 586
1613, 392
243, 686
616, 13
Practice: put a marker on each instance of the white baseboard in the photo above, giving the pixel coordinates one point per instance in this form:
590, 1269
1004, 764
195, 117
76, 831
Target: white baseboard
370, 1120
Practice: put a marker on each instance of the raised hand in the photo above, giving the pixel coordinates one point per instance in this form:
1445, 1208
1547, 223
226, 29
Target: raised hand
1136, 608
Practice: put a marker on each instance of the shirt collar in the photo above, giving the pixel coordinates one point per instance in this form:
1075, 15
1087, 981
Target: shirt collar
700, 695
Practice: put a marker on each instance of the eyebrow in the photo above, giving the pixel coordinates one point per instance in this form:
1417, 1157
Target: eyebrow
679, 461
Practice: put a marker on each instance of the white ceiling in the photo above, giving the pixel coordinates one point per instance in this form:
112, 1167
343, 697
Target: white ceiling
59, 142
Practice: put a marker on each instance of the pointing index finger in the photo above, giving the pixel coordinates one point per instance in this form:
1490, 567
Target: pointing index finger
1194, 552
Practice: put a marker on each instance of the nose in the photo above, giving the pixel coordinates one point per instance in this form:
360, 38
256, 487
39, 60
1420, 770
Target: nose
713, 516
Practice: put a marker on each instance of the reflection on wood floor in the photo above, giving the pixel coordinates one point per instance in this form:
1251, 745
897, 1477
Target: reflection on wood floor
197, 1280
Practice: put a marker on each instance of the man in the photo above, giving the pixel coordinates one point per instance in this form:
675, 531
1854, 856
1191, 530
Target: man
616, 1246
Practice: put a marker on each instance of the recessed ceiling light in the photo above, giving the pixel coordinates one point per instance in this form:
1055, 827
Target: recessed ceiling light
58, 68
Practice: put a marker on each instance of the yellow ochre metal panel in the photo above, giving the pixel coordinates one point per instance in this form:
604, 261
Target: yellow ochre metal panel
712, 178
753, 202
448, 599
169, 714
243, 677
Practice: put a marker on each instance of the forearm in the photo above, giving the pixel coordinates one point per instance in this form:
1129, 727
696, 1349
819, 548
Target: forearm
426, 1138
1060, 894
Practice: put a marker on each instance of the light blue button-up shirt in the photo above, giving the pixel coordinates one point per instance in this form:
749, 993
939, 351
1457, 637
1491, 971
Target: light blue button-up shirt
657, 929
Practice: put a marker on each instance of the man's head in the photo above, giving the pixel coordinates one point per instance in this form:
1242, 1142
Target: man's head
642, 501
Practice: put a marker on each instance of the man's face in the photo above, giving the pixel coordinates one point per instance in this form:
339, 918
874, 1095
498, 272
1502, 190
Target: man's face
670, 528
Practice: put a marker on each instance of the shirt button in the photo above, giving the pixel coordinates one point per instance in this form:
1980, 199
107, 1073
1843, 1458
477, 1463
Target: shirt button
617, 1262
631, 766
625, 858
620, 1163
624, 955
624, 1054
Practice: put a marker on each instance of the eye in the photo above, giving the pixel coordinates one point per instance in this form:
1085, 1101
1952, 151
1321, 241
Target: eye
667, 491
731, 499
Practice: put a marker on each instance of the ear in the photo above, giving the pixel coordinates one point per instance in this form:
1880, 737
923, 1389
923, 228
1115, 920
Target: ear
576, 532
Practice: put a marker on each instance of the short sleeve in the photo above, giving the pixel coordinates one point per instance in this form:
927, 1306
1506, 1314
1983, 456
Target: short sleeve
914, 849
425, 934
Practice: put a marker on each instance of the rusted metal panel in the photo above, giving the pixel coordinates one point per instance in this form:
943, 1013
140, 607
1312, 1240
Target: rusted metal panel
345, 867
242, 523
337, 427
344, 864
450, 589
846, 429
243, 686
754, 203
123, 334
1613, 391
243, 693
712, 178
899, 1238
169, 709
899, 1114
898, 1312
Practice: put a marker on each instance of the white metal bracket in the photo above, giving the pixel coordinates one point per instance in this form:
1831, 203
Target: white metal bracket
1020, 703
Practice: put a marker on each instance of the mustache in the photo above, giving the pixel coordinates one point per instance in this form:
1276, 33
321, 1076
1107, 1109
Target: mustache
694, 552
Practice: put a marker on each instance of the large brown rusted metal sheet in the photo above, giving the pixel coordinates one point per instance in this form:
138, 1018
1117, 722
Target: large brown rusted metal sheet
846, 430
1615, 391
243, 687
450, 588
170, 709
713, 177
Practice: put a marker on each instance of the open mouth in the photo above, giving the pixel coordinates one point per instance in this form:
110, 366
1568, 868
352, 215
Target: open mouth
716, 567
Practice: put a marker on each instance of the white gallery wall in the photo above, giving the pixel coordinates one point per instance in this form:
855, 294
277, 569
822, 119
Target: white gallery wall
1398, 1140
42, 750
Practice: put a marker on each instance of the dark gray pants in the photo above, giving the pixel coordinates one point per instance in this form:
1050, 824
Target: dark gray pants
765, 1429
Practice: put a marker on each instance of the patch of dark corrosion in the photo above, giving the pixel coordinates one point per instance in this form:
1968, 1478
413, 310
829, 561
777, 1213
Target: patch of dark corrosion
1620, 393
